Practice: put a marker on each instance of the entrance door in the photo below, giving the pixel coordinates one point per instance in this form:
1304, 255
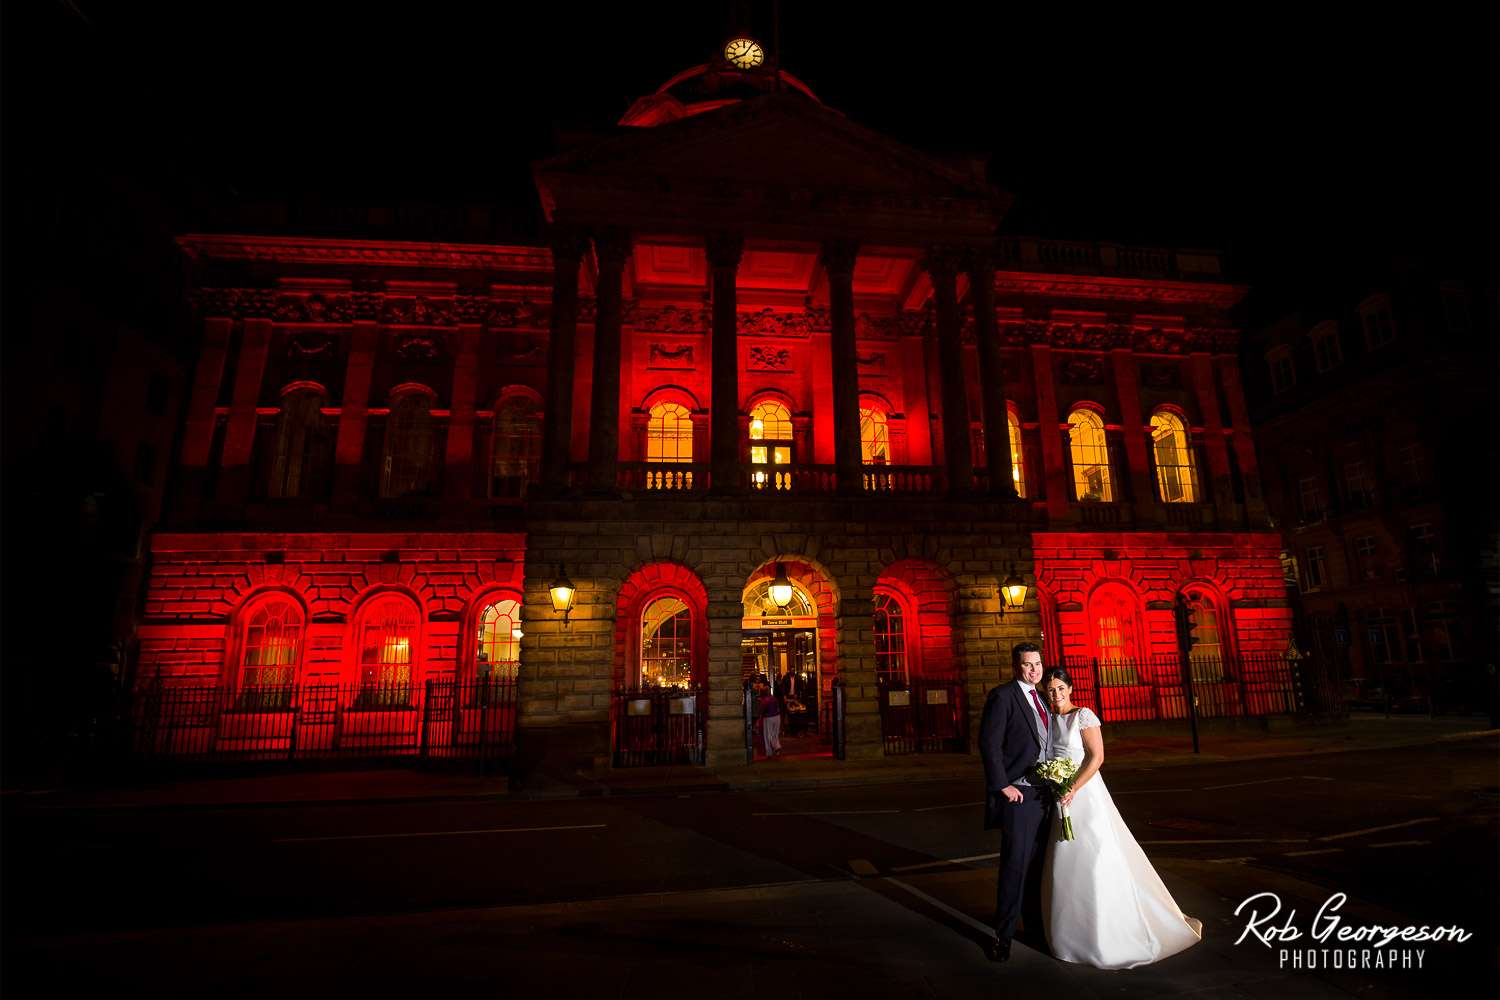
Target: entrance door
786, 659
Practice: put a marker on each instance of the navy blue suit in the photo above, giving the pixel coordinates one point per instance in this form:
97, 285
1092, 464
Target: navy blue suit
1010, 743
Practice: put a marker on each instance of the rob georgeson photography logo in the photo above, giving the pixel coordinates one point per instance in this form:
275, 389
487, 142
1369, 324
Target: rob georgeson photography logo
1332, 942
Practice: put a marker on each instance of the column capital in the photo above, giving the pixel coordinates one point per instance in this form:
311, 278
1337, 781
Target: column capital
567, 243
611, 247
838, 257
942, 263
724, 250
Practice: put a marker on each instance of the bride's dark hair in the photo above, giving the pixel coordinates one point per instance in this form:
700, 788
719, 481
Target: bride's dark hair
1056, 673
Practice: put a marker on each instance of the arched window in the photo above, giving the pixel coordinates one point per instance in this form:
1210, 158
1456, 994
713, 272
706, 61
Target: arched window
410, 464
874, 433
515, 446
1176, 478
1207, 657
387, 635
771, 444
299, 443
1090, 456
1114, 613
270, 650
1017, 455
498, 648
669, 440
890, 641
666, 644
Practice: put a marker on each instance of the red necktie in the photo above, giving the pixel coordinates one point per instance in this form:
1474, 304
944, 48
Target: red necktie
1039, 709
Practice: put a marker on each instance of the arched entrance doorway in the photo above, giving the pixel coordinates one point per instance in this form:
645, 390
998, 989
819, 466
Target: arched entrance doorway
779, 653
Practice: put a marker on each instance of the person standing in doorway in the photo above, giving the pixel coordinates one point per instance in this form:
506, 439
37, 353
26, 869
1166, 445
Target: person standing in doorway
770, 721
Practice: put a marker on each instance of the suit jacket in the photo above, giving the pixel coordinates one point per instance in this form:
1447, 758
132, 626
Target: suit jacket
1009, 743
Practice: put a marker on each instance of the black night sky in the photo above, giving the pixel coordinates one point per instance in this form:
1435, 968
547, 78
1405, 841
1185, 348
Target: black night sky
1299, 142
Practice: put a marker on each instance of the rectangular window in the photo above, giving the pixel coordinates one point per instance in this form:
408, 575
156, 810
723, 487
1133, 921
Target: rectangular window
1424, 549
1384, 635
1357, 485
1283, 372
1364, 557
1380, 326
1413, 463
1314, 568
1327, 352
1310, 498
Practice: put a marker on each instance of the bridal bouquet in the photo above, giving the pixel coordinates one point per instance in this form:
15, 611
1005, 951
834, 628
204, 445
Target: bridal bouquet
1059, 774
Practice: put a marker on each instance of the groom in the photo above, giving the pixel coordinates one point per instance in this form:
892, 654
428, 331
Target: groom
1013, 738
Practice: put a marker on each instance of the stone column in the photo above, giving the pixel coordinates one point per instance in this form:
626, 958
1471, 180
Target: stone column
991, 377
1243, 442
726, 718
1054, 464
610, 250
458, 476
1142, 482
942, 267
855, 627
1220, 482
239, 436
354, 409
568, 249
724, 253
838, 262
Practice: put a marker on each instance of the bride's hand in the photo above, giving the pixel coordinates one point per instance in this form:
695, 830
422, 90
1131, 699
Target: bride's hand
1067, 799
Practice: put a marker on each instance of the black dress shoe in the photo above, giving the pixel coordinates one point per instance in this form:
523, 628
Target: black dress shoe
998, 950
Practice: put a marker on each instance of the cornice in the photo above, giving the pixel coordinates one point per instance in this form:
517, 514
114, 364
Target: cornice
1212, 294
296, 250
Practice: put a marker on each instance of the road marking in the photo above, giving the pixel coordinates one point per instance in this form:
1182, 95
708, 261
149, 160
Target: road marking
1229, 861
862, 868
1403, 843
956, 805
1380, 829
1232, 840
835, 812
439, 833
1308, 854
946, 861
1316, 777
989, 931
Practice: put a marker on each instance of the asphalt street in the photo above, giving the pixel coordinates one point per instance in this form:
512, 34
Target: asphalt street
881, 890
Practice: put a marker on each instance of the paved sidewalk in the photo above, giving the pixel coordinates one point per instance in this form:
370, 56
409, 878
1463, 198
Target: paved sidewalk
1124, 750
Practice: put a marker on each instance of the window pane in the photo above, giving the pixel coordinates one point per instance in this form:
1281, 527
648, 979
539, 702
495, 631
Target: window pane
1090, 453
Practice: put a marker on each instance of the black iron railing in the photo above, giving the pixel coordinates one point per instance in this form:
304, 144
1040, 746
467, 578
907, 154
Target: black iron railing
923, 716
659, 726
1155, 688
437, 719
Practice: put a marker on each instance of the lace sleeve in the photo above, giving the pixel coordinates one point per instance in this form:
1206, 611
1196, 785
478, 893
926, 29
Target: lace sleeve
1087, 720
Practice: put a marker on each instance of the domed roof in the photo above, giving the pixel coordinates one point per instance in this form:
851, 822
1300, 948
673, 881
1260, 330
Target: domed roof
707, 87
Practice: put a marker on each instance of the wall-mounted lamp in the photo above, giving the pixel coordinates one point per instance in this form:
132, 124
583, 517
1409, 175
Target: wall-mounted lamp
781, 588
562, 591
1013, 590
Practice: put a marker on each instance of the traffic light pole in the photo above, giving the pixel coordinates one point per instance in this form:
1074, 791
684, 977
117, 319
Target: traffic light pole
1184, 654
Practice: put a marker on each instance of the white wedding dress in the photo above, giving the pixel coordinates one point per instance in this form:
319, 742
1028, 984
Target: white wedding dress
1104, 904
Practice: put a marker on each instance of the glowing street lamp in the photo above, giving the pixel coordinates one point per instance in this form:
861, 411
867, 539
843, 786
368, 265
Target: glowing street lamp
781, 588
1014, 592
562, 591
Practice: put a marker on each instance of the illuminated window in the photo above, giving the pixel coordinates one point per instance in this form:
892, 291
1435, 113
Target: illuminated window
1283, 369
1176, 478
1017, 455
1379, 323
669, 440
515, 447
498, 651
890, 641
409, 467
667, 644
771, 444
874, 434
1090, 456
1207, 657
387, 633
1328, 353
1113, 613
759, 604
268, 662
299, 444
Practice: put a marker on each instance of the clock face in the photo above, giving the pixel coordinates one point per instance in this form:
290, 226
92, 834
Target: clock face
744, 53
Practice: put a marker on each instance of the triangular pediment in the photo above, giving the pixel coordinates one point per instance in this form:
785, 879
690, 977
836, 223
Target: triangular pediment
778, 140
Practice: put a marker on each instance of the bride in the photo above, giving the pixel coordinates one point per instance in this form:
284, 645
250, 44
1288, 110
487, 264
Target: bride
1104, 904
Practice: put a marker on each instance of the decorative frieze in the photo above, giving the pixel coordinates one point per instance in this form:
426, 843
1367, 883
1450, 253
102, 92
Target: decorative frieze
764, 358
671, 357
